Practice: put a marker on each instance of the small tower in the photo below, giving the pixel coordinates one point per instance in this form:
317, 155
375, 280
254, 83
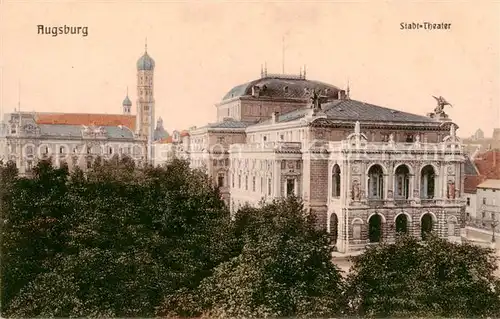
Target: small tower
127, 105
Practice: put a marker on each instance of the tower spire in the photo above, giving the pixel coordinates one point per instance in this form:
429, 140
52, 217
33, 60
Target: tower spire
127, 90
305, 71
146, 45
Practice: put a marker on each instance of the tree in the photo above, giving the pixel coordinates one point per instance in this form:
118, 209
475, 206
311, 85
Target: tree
432, 278
113, 242
284, 268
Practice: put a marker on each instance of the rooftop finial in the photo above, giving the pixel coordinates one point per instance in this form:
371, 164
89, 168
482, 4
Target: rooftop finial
127, 90
261, 70
348, 90
146, 45
265, 68
304, 71
283, 58
300, 74
19, 96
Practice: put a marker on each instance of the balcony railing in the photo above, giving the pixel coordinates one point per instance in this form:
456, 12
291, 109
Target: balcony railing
280, 146
395, 147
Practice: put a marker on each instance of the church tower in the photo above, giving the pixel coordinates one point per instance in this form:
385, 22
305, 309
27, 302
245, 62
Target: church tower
127, 105
145, 95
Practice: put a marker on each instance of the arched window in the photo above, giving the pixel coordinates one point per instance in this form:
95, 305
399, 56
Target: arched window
427, 180
402, 182
401, 224
426, 226
376, 182
375, 228
336, 181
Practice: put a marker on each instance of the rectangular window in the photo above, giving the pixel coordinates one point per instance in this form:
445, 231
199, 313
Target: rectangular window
283, 164
215, 162
232, 179
290, 187
269, 189
262, 184
89, 164
29, 166
220, 180
61, 149
239, 181
246, 182
253, 184
484, 200
468, 201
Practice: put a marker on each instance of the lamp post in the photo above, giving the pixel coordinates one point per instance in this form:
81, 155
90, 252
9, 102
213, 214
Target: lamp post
494, 222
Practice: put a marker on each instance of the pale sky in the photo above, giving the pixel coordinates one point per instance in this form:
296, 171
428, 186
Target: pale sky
203, 49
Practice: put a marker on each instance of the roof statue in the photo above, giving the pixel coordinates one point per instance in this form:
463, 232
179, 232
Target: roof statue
441, 104
453, 130
315, 99
357, 128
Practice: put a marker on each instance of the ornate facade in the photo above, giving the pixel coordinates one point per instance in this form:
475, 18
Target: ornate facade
367, 172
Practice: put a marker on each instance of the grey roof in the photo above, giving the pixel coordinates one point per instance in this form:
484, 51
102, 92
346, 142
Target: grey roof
127, 102
145, 62
61, 130
228, 124
469, 167
159, 134
283, 87
351, 110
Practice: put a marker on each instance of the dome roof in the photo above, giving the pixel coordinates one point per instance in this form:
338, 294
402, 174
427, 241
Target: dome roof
145, 62
283, 86
127, 102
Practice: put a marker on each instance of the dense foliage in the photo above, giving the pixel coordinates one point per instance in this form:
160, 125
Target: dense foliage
284, 269
122, 241
435, 278
112, 243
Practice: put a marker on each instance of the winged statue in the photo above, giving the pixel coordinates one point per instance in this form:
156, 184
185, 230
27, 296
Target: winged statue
441, 101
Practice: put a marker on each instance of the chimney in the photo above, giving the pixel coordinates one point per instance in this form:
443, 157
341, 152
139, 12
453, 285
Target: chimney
342, 95
275, 117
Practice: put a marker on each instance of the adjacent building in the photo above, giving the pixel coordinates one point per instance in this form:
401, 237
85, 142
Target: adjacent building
77, 139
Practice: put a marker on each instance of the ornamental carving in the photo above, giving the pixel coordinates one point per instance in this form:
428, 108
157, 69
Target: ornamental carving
356, 193
355, 169
451, 190
30, 129
389, 193
450, 169
290, 164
